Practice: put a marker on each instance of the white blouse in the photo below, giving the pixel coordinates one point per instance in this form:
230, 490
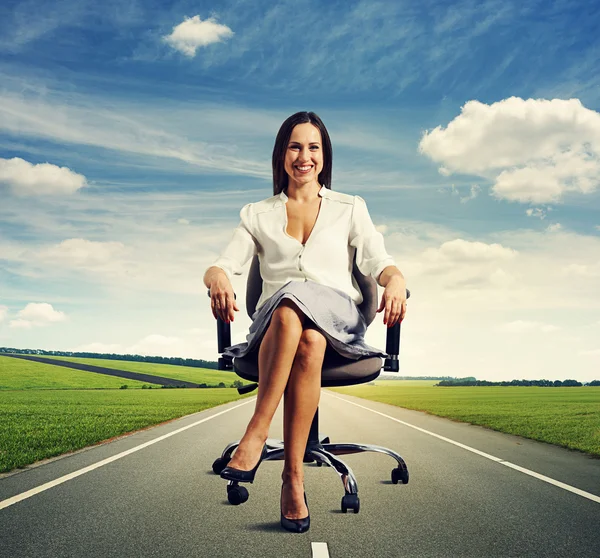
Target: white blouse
343, 228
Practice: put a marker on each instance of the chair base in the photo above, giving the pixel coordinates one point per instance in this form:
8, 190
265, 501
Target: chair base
321, 452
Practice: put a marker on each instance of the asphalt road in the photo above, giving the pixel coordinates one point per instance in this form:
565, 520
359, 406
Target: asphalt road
163, 500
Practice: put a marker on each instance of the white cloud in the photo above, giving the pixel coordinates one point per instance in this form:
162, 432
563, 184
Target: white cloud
474, 191
524, 269
183, 221
582, 270
457, 303
155, 344
96, 347
191, 137
37, 314
193, 33
82, 253
554, 227
459, 251
153, 252
501, 279
27, 179
592, 352
28, 21
534, 150
521, 326
152, 131
542, 182
197, 331
458, 266
3, 312
537, 212
158, 345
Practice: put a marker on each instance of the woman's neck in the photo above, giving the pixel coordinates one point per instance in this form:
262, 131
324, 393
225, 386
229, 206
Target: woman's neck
303, 192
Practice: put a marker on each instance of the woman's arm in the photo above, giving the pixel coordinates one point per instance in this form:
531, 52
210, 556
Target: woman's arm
393, 300
391, 271
372, 259
217, 277
222, 297
371, 255
211, 274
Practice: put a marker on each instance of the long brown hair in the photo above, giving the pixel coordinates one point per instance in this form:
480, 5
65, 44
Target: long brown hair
280, 177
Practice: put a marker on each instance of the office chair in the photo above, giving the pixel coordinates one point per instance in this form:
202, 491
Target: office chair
336, 371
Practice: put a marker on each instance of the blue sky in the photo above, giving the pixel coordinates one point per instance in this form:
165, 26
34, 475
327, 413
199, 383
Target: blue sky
131, 134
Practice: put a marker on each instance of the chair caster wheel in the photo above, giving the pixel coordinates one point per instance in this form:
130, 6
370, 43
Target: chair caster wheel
350, 501
237, 494
319, 464
220, 464
399, 475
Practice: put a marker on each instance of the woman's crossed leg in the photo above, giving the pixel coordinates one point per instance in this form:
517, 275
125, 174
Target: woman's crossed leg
289, 361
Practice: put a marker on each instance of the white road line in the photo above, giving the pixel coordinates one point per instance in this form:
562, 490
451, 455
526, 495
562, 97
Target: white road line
549, 480
319, 550
74, 474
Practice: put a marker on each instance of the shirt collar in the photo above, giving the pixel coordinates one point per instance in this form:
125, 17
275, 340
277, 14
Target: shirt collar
323, 192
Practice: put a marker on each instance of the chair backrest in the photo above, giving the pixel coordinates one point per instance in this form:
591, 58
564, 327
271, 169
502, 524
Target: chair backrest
366, 284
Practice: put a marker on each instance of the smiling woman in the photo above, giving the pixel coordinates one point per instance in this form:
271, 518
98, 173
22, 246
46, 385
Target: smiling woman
302, 138
307, 239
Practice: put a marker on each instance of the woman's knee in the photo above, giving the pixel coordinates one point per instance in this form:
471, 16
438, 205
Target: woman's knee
312, 344
287, 314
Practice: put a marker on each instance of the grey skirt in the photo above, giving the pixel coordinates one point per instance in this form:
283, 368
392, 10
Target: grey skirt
332, 311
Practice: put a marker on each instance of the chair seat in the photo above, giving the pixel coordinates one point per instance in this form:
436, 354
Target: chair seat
337, 370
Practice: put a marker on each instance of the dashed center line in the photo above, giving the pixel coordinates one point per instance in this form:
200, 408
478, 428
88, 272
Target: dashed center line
319, 550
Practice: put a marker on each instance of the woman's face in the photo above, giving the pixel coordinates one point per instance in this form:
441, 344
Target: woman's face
304, 155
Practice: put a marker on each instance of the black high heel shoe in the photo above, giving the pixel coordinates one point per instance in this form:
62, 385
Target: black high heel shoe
233, 474
295, 525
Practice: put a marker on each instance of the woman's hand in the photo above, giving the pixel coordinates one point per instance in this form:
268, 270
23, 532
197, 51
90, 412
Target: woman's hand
222, 299
393, 301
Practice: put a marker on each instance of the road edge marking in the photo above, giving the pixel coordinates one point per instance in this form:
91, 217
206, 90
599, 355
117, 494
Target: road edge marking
568, 487
42, 487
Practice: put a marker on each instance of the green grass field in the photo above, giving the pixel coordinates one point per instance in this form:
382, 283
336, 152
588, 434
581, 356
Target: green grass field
48, 410
568, 417
36, 425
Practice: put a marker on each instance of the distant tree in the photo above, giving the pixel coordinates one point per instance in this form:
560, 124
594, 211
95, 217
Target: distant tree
221, 384
594, 383
544, 383
513, 383
457, 382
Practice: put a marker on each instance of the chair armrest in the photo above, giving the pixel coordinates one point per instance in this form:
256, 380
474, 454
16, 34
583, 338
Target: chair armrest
223, 341
392, 346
